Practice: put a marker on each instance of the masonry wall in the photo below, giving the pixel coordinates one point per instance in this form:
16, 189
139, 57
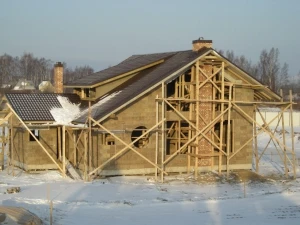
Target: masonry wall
103, 89
143, 113
28, 154
242, 128
205, 111
140, 113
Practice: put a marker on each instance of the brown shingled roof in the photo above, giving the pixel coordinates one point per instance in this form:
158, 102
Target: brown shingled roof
141, 82
129, 64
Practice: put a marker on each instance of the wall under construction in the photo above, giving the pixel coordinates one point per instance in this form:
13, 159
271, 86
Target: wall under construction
203, 119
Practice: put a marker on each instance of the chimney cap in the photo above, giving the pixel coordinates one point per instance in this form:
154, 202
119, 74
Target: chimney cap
58, 64
201, 40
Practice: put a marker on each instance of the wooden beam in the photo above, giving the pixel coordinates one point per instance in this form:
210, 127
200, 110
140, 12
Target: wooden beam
209, 78
222, 119
85, 163
90, 137
156, 137
163, 127
75, 149
199, 132
154, 86
198, 86
5, 119
12, 145
283, 140
64, 150
292, 134
127, 146
255, 142
262, 128
2, 147
203, 155
39, 143
59, 141
195, 127
228, 141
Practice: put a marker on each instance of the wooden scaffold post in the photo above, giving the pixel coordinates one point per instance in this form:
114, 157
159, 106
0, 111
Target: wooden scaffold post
156, 136
163, 128
64, 150
283, 139
292, 133
255, 141
90, 138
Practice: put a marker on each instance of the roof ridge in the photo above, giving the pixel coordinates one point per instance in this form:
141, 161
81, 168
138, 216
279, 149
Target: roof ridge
156, 53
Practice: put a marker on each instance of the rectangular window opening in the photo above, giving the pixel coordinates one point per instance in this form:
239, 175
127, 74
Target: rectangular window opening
36, 133
109, 140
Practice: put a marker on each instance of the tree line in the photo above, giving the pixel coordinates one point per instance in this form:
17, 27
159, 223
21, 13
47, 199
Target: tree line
268, 70
35, 69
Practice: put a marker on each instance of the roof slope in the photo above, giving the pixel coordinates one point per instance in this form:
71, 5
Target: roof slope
129, 64
37, 106
140, 83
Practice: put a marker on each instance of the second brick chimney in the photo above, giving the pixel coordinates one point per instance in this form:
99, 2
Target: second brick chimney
58, 77
200, 43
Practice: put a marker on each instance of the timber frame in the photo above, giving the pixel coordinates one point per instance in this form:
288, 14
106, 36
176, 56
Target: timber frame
188, 120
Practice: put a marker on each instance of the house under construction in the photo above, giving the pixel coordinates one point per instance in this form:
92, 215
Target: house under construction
156, 114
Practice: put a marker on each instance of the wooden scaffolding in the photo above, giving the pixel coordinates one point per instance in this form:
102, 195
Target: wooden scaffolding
194, 117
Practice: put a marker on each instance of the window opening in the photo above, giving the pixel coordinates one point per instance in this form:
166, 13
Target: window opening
36, 133
136, 133
109, 140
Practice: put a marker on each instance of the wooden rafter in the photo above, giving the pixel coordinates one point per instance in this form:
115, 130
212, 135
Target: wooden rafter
127, 147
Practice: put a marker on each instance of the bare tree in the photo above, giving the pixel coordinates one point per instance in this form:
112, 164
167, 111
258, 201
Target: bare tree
270, 67
78, 72
283, 81
7, 67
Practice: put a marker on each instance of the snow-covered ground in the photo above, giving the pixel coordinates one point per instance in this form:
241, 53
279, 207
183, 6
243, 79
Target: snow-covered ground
135, 200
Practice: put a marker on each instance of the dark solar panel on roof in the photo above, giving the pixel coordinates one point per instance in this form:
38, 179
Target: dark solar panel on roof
37, 106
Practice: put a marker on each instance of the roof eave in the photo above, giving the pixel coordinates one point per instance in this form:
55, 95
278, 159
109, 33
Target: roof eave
251, 79
95, 84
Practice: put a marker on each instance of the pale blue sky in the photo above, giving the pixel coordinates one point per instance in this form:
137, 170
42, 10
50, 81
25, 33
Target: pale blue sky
102, 33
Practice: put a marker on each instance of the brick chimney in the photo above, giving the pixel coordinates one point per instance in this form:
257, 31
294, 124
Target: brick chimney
200, 43
58, 77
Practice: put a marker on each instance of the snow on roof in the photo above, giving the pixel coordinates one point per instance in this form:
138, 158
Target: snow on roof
70, 111
106, 97
67, 113
96, 106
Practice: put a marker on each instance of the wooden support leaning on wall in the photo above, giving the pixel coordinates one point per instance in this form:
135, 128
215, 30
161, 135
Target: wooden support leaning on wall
127, 146
222, 119
90, 137
255, 141
283, 139
265, 128
156, 137
33, 136
11, 163
4, 124
228, 141
292, 134
163, 128
64, 150
197, 115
